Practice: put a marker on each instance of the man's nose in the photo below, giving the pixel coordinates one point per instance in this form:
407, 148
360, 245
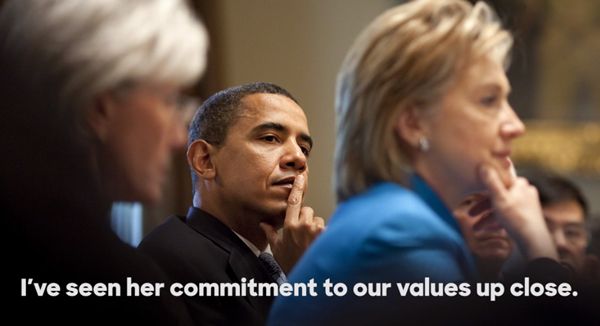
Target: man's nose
294, 158
560, 240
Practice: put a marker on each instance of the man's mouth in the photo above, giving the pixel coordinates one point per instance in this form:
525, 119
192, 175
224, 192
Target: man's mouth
287, 182
484, 236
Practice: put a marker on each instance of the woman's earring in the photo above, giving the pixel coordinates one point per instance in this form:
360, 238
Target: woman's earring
423, 144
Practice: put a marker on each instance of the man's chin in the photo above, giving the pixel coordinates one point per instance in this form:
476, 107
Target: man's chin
274, 218
496, 252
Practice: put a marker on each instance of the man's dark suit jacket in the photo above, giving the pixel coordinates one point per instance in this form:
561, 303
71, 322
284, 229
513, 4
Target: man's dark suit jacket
198, 249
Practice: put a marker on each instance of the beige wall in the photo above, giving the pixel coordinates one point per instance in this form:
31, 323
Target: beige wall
298, 44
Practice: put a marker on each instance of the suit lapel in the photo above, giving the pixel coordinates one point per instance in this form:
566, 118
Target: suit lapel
242, 261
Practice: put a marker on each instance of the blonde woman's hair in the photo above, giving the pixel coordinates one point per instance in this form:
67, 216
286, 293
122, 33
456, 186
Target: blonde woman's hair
408, 56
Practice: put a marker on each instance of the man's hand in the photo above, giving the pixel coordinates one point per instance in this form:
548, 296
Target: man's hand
300, 228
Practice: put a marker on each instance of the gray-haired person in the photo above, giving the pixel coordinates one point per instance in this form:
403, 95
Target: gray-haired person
90, 115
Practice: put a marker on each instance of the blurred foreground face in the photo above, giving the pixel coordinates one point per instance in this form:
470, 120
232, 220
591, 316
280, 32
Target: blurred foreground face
140, 128
566, 223
473, 124
487, 240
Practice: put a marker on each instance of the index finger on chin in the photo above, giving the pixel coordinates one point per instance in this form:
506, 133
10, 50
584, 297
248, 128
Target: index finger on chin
294, 202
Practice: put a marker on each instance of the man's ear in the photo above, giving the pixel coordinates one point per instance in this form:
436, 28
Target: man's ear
200, 158
100, 116
409, 126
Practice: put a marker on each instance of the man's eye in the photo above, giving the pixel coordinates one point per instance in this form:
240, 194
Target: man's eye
270, 138
574, 233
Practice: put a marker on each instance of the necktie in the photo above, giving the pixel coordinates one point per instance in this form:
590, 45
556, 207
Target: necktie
272, 267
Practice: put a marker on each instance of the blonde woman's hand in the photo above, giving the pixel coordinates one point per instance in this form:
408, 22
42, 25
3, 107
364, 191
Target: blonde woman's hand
518, 209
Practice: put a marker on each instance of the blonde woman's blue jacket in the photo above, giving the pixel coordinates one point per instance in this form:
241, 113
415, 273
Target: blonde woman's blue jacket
387, 234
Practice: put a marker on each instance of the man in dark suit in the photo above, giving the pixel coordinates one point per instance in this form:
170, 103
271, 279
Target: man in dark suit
248, 151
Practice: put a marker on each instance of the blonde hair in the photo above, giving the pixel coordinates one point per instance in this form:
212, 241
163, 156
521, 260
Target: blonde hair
407, 56
69, 51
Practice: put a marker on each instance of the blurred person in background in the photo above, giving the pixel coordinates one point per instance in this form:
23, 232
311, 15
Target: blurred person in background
486, 238
566, 213
91, 111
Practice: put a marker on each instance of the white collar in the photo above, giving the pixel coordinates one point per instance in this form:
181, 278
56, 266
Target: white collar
252, 247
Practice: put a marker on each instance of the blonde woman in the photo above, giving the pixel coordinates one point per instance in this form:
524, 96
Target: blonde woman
423, 121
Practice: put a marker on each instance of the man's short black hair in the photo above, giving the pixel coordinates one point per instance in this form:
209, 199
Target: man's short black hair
554, 189
220, 111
